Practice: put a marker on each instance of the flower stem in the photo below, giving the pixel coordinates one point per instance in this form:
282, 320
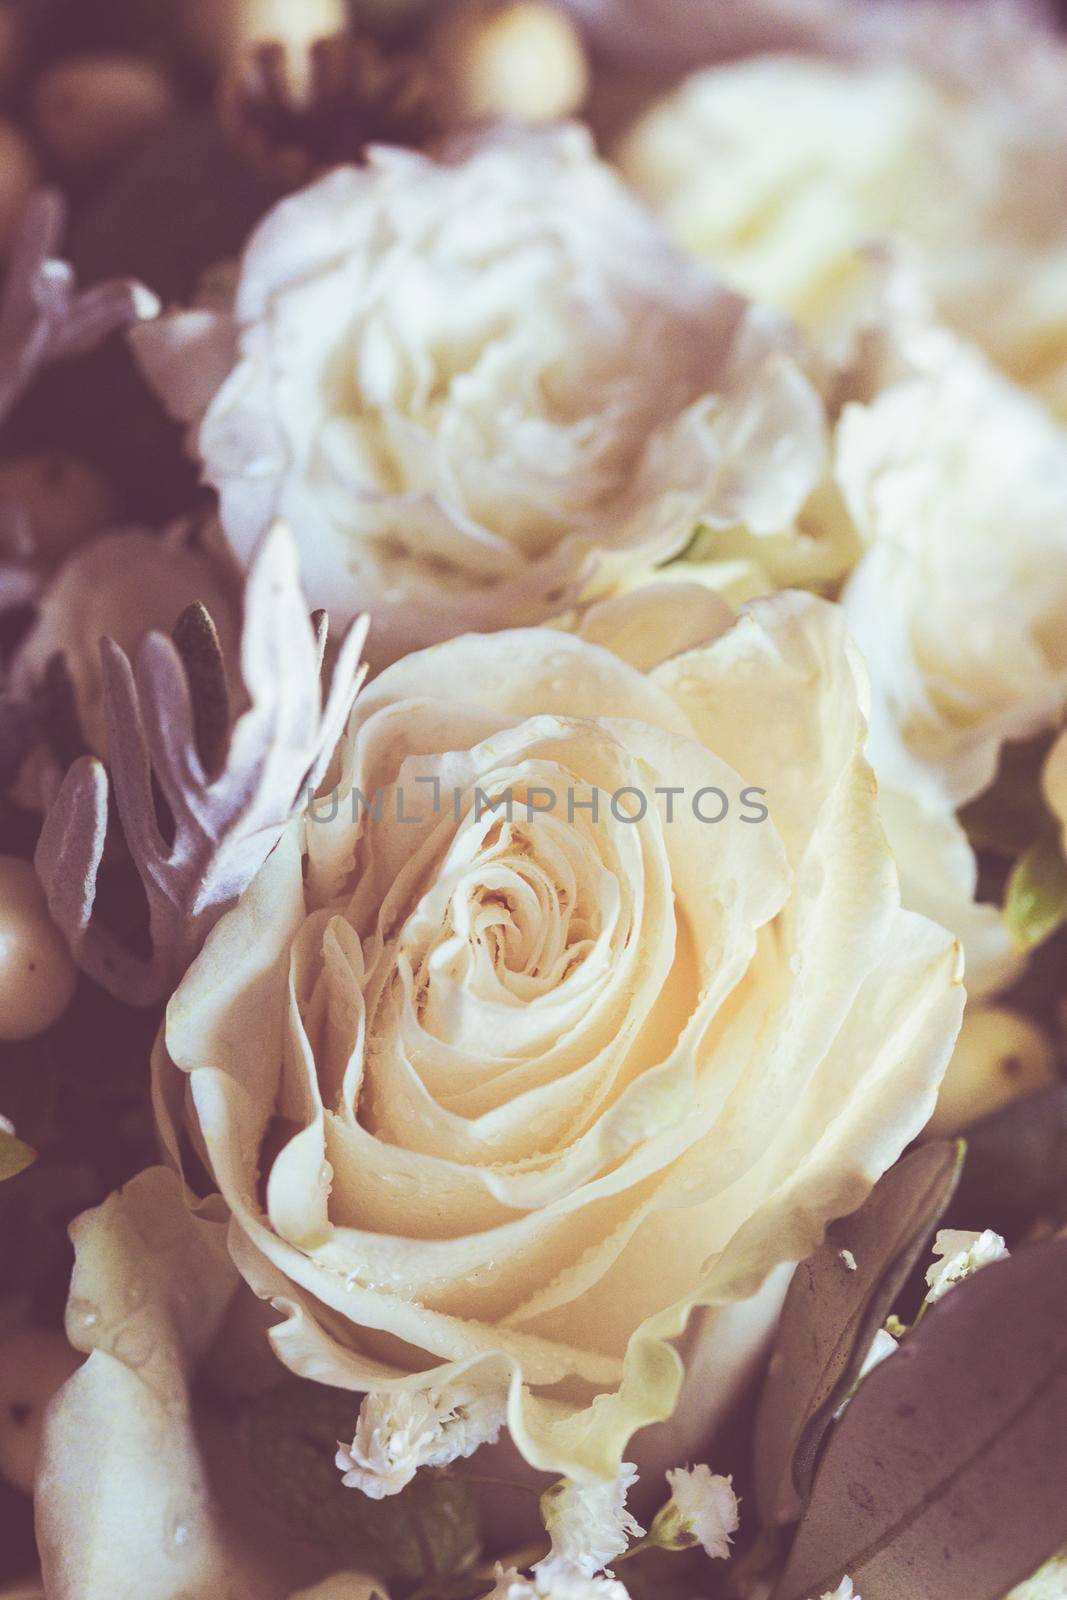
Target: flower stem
638, 1549
486, 1481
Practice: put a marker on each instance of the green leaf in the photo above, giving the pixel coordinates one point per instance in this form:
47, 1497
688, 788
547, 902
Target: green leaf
944, 1478
1035, 904
291, 1434
831, 1315
15, 1156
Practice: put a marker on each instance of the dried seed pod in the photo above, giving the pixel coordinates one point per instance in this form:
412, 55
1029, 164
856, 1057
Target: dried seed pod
222, 31
523, 59
353, 95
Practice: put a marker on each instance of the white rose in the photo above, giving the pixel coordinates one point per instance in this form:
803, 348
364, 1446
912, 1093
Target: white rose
779, 171
471, 385
503, 1099
956, 482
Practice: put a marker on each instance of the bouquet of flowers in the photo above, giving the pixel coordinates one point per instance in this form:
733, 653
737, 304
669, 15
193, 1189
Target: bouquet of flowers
533, 787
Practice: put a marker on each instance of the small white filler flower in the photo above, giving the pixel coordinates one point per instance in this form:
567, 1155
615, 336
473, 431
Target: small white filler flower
962, 1255
396, 1434
588, 1525
511, 1585
844, 1591
702, 1509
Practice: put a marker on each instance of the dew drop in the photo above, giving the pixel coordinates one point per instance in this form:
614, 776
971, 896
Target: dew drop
83, 1314
179, 1533
135, 1292
134, 1346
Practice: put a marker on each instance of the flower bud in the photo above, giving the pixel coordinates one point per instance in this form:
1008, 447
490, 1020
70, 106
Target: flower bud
90, 109
37, 975
1000, 1057
523, 60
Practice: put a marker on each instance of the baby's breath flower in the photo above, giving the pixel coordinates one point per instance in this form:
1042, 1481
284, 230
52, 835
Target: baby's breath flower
588, 1524
962, 1254
1050, 1583
702, 1509
844, 1591
396, 1434
882, 1345
511, 1585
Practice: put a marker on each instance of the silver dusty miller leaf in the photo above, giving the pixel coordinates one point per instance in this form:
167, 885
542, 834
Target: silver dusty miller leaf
44, 317
225, 824
944, 1479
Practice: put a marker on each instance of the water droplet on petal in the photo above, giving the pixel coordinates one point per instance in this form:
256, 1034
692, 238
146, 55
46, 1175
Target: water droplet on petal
134, 1345
83, 1314
178, 1533
134, 1292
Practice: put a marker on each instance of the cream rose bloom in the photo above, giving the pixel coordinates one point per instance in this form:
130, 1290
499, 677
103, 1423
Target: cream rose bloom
956, 482
504, 1098
780, 170
472, 385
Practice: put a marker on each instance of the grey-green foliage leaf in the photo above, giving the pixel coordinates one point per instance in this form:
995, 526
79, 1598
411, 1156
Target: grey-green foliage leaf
15, 1156
944, 1480
1035, 902
831, 1315
291, 1434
